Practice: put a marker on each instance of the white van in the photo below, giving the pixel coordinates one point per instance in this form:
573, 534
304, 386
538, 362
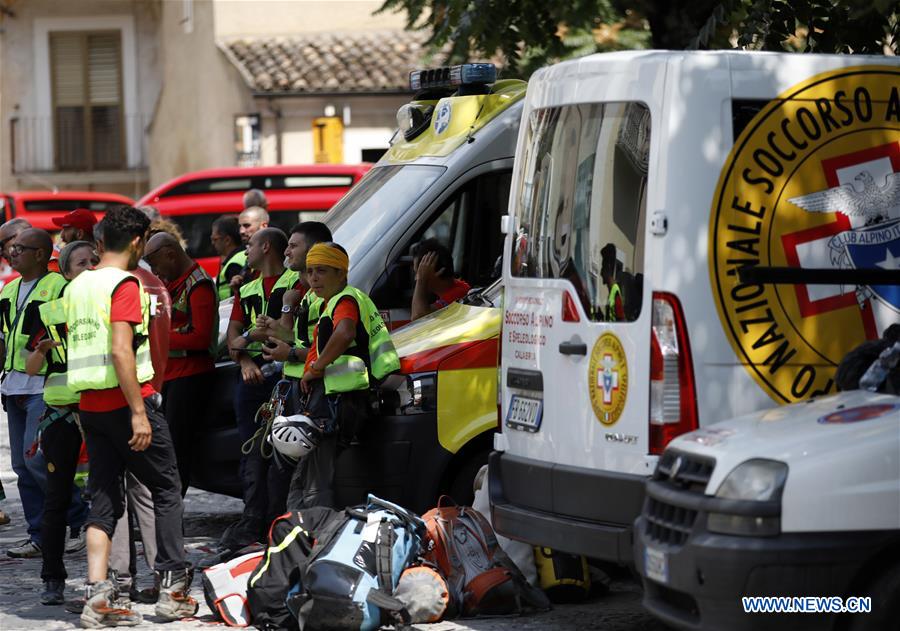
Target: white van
655, 177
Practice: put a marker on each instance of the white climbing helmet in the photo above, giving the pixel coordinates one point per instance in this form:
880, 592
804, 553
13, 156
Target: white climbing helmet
294, 436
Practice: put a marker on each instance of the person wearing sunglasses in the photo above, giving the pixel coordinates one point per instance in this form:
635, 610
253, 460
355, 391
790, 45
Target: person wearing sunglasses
8, 232
22, 394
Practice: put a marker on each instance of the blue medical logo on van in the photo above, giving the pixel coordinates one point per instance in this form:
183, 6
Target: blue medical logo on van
861, 413
442, 118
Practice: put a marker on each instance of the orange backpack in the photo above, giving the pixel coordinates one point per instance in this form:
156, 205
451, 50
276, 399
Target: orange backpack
480, 576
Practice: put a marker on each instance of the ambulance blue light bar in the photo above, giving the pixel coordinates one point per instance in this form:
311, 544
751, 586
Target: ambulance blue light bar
452, 76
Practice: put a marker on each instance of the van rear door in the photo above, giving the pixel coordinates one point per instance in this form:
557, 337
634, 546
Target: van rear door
576, 341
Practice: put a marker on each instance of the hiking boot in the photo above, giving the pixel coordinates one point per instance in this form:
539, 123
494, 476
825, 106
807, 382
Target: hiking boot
243, 532
53, 592
76, 605
76, 541
175, 601
101, 609
25, 549
123, 583
148, 595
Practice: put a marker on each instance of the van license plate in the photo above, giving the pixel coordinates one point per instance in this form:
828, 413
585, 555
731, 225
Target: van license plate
656, 565
525, 413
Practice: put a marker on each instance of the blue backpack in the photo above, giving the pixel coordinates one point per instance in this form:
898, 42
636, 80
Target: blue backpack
354, 567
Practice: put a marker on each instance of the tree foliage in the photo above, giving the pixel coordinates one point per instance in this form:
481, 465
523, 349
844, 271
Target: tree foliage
821, 26
528, 34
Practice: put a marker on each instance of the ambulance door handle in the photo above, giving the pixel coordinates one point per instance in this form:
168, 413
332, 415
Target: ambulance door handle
573, 347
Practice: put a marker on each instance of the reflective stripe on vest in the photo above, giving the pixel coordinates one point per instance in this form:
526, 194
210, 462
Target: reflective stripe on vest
310, 308
351, 371
88, 301
56, 387
182, 303
48, 287
252, 293
222, 287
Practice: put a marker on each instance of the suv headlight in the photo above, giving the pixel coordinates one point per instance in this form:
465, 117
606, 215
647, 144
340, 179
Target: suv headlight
754, 480
751, 481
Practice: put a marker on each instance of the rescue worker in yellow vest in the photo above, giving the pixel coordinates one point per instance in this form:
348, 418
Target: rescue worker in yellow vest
8, 232
226, 241
291, 335
351, 349
22, 394
109, 363
59, 437
609, 271
264, 484
193, 340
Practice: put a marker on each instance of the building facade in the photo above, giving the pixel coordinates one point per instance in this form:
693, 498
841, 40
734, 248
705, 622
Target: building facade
121, 96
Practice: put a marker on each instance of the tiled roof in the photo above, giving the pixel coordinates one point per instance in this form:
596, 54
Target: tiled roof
370, 61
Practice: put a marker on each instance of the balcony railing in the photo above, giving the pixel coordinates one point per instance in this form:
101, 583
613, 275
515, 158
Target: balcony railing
42, 145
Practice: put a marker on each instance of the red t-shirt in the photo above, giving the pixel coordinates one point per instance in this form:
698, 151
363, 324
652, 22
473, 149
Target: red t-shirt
202, 305
125, 307
458, 290
346, 309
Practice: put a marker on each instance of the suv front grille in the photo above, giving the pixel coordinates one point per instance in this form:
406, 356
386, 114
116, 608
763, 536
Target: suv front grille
684, 471
667, 523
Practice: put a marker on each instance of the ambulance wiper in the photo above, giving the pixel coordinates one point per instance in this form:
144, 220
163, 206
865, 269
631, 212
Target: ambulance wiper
762, 275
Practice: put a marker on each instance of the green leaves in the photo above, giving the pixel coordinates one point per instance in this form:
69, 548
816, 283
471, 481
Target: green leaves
528, 34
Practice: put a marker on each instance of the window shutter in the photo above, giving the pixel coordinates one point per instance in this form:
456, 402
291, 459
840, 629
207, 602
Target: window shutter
87, 100
68, 69
103, 69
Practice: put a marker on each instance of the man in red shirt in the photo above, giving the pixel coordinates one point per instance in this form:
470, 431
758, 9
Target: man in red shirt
124, 429
192, 342
436, 286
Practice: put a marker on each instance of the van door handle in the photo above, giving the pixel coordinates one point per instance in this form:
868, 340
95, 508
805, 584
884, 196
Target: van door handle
573, 348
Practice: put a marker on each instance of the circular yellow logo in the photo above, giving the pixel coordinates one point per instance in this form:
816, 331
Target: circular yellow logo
813, 181
608, 379
51, 467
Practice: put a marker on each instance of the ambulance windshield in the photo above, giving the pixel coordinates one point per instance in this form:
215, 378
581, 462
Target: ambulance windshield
377, 202
581, 203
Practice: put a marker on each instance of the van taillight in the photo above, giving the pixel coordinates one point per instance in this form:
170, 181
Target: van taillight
673, 397
569, 310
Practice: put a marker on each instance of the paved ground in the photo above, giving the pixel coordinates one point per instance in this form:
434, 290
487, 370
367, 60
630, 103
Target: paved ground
206, 516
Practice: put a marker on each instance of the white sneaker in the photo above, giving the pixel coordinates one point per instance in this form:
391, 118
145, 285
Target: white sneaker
25, 549
76, 543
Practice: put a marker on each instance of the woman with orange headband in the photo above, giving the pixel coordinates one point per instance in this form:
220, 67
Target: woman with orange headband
351, 349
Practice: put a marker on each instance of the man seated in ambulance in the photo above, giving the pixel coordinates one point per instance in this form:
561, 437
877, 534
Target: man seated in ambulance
436, 286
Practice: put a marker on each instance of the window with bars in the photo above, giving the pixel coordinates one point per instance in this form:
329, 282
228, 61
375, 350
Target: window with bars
86, 77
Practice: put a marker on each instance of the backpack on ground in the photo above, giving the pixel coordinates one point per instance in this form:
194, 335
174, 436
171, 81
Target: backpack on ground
225, 588
480, 576
290, 543
350, 577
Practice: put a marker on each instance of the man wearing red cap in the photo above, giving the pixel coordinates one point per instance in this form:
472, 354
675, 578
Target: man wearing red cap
77, 225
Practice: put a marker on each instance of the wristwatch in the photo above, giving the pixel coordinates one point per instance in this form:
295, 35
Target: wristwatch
286, 309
